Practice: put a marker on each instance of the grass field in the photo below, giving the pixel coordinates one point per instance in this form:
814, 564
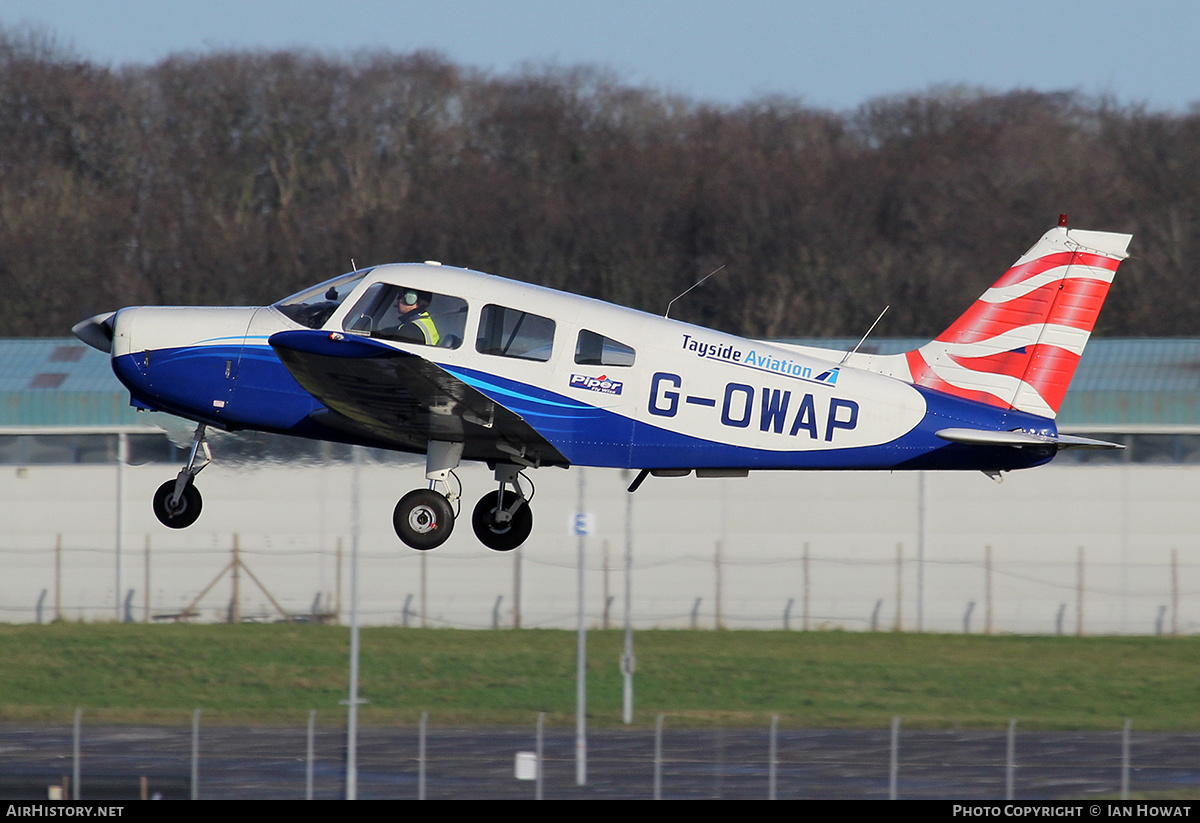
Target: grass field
277, 673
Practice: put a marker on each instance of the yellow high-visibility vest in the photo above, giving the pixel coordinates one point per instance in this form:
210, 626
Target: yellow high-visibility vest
428, 328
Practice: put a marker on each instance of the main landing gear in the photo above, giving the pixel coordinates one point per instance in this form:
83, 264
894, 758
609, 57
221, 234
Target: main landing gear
177, 502
424, 518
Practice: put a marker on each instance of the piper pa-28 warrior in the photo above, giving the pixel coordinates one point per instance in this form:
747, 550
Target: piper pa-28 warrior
459, 365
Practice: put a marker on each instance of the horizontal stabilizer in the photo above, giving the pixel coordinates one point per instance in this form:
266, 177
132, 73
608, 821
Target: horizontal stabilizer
1020, 439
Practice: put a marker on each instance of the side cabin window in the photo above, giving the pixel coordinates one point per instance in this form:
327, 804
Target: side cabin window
409, 315
514, 333
593, 349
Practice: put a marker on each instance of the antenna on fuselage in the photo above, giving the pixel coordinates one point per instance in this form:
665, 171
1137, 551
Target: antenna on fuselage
353, 265
865, 336
667, 313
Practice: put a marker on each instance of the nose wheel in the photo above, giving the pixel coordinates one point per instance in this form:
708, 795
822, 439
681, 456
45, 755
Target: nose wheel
177, 512
423, 519
177, 502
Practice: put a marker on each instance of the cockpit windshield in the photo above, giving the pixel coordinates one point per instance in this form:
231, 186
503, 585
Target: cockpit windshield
313, 306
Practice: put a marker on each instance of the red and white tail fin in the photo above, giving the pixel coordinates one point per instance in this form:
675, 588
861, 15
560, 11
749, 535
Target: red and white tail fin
1018, 345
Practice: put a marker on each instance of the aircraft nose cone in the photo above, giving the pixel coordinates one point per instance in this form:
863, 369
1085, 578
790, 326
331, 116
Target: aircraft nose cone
96, 331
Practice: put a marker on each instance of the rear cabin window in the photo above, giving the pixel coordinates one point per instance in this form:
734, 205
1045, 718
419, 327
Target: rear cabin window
593, 349
509, 332
409, 315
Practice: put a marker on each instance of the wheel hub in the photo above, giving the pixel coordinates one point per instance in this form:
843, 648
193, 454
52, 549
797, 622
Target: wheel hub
422, 519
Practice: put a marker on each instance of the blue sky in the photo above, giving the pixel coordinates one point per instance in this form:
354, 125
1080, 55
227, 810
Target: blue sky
829, 54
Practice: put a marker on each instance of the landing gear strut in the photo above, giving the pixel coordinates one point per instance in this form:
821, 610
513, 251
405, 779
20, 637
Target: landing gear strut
424, 518
177, 502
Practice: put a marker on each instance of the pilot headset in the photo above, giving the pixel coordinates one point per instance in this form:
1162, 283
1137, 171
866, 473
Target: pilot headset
409, 298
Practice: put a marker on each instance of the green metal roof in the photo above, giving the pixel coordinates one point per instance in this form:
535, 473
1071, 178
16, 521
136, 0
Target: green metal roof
60, 382
1121, 384
1135, 383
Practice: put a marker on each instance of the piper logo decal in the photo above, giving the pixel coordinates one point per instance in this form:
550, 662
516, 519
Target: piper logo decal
598, 384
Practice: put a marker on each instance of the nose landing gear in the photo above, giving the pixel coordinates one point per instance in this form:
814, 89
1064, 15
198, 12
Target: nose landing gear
177, 502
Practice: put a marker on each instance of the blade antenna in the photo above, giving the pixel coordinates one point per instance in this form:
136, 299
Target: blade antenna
700, 282
865, 336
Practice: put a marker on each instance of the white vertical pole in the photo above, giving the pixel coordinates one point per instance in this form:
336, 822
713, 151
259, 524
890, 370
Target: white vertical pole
122, 456
352, 714
581, 654
627, 660
920, 551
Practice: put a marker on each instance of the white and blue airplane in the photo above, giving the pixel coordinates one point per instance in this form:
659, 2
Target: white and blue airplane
459, 365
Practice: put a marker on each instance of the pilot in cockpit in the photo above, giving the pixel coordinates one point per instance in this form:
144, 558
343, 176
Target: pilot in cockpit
415, 323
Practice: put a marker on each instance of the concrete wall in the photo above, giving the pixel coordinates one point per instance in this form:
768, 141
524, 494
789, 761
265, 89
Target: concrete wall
1129, 532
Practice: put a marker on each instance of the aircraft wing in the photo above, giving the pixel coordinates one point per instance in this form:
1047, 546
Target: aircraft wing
403, 399
1019, 439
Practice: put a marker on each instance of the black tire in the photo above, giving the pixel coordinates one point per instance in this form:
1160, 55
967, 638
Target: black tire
185, 511
423, 519
506, 537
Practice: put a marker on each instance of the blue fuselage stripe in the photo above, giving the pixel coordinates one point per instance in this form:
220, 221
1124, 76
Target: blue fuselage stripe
247, 387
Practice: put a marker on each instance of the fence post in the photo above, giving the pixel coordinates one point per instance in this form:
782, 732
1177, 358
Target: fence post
310, 755
540, 754
804, 623
894, 771
1174, 592
774, 755
57, 578
987, 589
899, 587
1079, 597
196, 754
1125, 759
421, 756
718, 622
658, 759
75, 755
1010, 769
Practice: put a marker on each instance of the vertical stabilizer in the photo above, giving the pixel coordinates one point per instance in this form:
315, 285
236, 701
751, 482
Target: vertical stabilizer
1018, 345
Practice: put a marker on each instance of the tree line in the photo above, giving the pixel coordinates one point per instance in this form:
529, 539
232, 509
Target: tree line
235, 178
